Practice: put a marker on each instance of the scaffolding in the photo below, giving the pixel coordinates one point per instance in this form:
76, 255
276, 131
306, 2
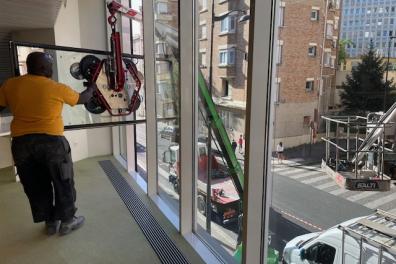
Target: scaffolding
358, 150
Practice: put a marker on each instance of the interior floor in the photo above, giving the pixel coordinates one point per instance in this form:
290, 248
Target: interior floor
109, 235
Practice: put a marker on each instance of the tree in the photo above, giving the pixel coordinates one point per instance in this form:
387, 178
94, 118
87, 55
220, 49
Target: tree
364, 88
342, 55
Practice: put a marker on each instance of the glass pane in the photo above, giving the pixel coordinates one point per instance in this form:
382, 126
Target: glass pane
140, 147
221, 128
78, 115
169, 163
123, 141
333, 147
167, 100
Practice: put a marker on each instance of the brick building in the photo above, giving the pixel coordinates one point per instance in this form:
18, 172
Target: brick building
230, 46
305, 58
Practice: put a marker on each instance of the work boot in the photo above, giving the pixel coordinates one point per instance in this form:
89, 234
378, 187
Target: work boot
51, 227
73, 224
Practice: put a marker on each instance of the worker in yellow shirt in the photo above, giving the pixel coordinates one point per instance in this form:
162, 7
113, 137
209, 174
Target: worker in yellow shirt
41, 153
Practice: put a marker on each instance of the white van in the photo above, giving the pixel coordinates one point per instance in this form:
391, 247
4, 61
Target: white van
330, 247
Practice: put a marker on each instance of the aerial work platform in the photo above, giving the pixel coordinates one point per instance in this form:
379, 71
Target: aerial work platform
360, 151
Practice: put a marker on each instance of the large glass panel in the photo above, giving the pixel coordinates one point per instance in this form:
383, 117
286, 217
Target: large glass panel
167, 99
334, 132
64, 59
222, 53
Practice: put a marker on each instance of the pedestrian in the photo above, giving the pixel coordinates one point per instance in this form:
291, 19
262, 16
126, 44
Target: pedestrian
279, 152
41, 153
240, 143
234, 145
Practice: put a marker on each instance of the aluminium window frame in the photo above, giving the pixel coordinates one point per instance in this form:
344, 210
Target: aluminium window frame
258, 126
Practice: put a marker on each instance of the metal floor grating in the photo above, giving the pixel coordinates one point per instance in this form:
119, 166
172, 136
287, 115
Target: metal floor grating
163, 246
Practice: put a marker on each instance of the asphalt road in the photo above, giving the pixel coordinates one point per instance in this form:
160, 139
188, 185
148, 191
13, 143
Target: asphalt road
299, 209
296, 209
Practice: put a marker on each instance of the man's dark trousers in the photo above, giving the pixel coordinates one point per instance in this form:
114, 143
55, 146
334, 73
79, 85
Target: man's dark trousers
45, 168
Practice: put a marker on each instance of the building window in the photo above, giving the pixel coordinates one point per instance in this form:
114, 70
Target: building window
332, 61
336, 22
277, 92
202, 31
226, 87
282, 16
280, 53
329, 30
309, 85
312, 50
228, 24
337, 4
335, 40
227, 56
162, 8
162, 67
204, 5
314, 15
327, 58
202, 59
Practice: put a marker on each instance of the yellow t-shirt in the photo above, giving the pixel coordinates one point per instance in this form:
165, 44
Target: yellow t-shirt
36, 103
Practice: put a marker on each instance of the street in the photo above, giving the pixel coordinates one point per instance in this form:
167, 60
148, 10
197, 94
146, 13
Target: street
304, 199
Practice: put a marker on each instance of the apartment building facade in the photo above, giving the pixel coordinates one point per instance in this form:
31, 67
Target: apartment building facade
229, 58
306, 59
364, 21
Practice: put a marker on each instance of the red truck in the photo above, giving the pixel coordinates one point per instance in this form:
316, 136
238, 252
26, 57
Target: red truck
225, 201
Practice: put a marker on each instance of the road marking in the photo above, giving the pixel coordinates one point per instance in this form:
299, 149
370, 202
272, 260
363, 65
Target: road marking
326, 185
297, 168
316, 179
380, 201
282, 169
339, 191
301, 220
303, 175
298, 171
361, 195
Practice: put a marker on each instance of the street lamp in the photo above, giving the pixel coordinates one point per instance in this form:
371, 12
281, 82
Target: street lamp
387, 69
214, 18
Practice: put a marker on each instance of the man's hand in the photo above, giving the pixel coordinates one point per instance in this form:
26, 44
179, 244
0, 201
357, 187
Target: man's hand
87, 94
2, 108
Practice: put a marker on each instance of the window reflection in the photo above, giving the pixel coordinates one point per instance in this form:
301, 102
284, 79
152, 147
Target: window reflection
223, 45
167, 100
335, 117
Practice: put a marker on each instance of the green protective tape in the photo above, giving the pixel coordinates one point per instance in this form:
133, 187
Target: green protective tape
221, 135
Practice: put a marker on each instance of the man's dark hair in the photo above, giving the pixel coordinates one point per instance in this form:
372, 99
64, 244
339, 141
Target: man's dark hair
39, 63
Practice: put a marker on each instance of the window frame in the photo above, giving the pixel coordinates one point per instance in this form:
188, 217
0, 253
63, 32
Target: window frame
310, 54
309, 88
316, 16
230, 25
227, 56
